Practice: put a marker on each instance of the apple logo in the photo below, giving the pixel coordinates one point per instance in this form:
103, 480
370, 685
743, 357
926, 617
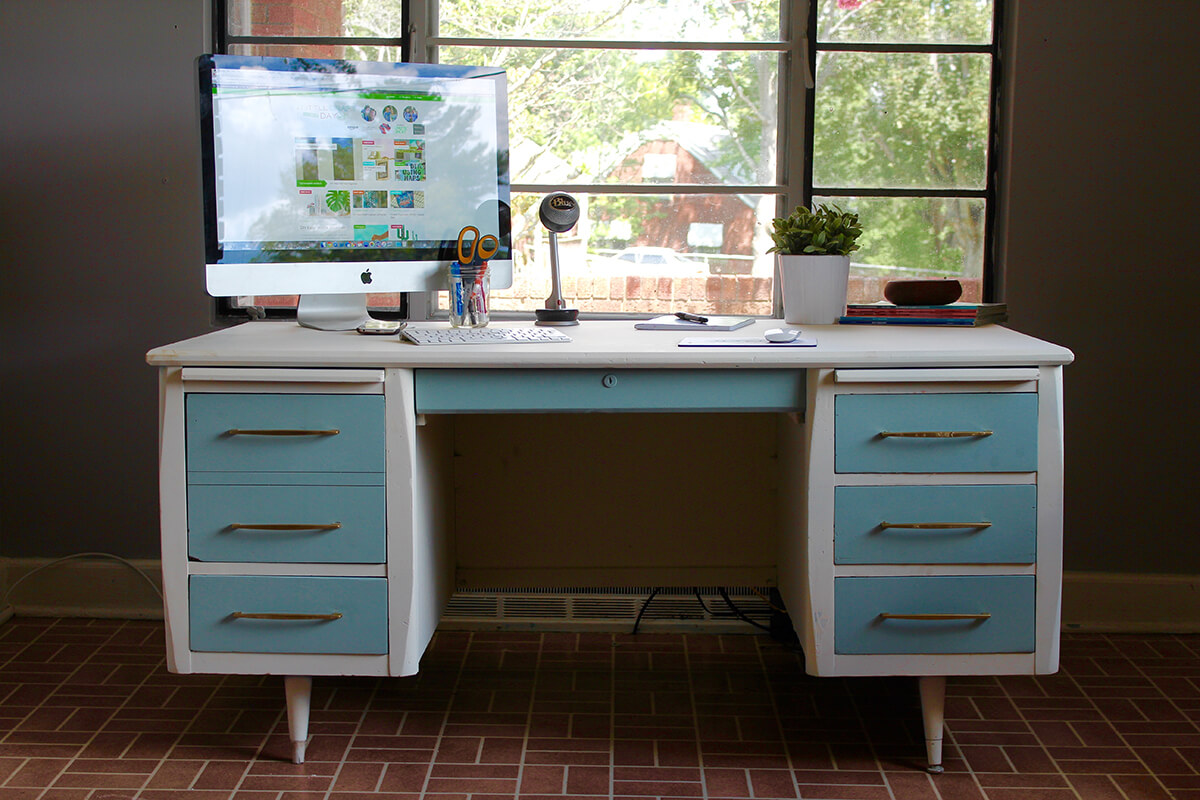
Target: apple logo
366, 276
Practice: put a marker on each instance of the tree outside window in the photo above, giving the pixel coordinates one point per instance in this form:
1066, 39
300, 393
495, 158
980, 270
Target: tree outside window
662, 118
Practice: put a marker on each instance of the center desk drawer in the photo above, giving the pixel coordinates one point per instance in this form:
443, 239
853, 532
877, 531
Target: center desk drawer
287, 614
289, 524
285, 433
460, 391
934, 614
936, 432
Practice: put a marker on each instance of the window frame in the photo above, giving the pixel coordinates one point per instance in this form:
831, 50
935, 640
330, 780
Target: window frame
989, 194
797, 49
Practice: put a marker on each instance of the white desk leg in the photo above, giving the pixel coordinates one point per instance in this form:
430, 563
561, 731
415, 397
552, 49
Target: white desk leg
298, 691
933, 710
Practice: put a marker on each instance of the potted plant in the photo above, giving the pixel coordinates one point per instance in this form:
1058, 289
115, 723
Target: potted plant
813, 255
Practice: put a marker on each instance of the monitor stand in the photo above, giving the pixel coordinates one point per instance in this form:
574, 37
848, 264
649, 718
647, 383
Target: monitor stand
332, 312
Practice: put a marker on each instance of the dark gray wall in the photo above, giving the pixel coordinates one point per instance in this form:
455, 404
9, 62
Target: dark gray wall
102, 261
1101, 223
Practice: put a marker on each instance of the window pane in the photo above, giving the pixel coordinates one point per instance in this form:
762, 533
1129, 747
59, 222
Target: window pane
915, 237
905, 21
314, 18
636, 20
376, 301
631, 253
901, 120
349, 52
593, 116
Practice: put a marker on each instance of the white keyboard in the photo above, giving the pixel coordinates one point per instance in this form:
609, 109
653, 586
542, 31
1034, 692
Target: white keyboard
483, 335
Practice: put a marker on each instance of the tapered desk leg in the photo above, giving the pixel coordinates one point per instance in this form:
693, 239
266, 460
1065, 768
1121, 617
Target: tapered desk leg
298, 691
933, 710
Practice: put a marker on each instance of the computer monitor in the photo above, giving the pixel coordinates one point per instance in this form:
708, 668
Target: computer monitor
331, 178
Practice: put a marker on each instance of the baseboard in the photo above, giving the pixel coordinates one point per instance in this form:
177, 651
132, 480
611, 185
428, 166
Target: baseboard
83, 585
98, 587
1115, 602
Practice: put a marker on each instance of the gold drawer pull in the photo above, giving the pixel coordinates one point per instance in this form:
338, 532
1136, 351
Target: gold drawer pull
934, 434
933, 526
284, 526
936, 617
281, 432
288, 617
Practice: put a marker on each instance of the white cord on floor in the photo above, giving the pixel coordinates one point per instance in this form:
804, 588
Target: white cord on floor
110, 556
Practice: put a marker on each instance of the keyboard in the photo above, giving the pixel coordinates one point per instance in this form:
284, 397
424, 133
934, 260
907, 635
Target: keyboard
483, 335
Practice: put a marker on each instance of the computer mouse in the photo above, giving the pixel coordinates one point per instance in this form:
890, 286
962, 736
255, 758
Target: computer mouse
782, 335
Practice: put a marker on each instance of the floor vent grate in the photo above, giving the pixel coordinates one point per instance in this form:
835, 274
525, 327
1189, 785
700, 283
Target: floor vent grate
674, 609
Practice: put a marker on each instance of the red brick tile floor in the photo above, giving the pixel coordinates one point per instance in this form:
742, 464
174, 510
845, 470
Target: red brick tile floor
88, 710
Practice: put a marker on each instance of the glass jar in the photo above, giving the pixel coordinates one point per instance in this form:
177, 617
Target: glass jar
469, 289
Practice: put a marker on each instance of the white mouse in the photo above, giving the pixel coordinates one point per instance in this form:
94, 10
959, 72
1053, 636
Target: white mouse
782, 335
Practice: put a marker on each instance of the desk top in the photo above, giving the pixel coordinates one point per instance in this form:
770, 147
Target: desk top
615, 343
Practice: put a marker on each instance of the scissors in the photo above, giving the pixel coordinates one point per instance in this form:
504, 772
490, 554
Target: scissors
482, 247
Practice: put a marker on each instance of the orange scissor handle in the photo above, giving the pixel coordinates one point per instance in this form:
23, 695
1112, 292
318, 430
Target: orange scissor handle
482, 246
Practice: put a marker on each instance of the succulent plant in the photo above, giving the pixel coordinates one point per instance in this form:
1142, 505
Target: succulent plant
825, 230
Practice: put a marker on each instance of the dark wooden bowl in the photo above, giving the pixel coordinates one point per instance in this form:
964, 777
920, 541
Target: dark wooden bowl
923, 291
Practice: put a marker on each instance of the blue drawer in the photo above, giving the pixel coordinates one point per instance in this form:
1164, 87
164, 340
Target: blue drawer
458, 391
903, 524
285, 433
338, 524
867, 425
348, 615
1004, 604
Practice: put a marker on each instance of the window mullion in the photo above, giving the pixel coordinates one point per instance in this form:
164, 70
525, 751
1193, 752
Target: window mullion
608, 44
650, 188
795, 84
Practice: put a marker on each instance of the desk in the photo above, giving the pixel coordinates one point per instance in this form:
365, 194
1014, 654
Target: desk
306, 482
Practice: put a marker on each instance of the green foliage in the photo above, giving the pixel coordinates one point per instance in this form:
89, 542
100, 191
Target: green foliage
338, 202
882, 120
824, 231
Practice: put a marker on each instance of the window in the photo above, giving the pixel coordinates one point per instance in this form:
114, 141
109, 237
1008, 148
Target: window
902, 134
684, 126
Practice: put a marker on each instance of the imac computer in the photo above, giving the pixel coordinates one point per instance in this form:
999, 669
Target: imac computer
330, 179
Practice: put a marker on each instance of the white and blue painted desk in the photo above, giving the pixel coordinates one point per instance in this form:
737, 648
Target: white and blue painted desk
305, 475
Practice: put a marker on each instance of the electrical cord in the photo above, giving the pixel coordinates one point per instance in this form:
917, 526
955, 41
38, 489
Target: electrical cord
110, 556
642, 610
767, 600
737, 612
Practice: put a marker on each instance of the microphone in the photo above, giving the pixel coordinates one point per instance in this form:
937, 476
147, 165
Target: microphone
559, 212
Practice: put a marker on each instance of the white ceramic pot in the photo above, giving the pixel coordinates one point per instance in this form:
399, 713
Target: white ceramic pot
814, 288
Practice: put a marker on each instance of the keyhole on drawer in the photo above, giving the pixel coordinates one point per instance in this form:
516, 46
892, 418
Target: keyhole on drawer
609, 381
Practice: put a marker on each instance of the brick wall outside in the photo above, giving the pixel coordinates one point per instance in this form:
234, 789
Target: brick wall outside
293, 18
712, 294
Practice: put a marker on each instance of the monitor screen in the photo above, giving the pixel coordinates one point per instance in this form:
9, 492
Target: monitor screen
333, 176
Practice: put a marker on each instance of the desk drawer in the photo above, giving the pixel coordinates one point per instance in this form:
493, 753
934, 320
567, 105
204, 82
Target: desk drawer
1002, 605
459, 391
336, 615
313, 524
936, 432
935, 524
285, 433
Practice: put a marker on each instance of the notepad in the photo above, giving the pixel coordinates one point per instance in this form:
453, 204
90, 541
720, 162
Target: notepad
748, 341
670, 322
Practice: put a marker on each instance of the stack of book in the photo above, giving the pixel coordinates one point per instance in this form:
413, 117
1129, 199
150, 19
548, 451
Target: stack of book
952, 314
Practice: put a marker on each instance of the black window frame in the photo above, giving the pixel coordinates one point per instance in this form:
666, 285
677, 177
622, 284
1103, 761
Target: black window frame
222, 40
989, 193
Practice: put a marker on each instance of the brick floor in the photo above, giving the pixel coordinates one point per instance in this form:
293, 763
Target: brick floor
89, 712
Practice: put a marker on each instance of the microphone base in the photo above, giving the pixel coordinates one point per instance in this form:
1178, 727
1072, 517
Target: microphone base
556, 317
